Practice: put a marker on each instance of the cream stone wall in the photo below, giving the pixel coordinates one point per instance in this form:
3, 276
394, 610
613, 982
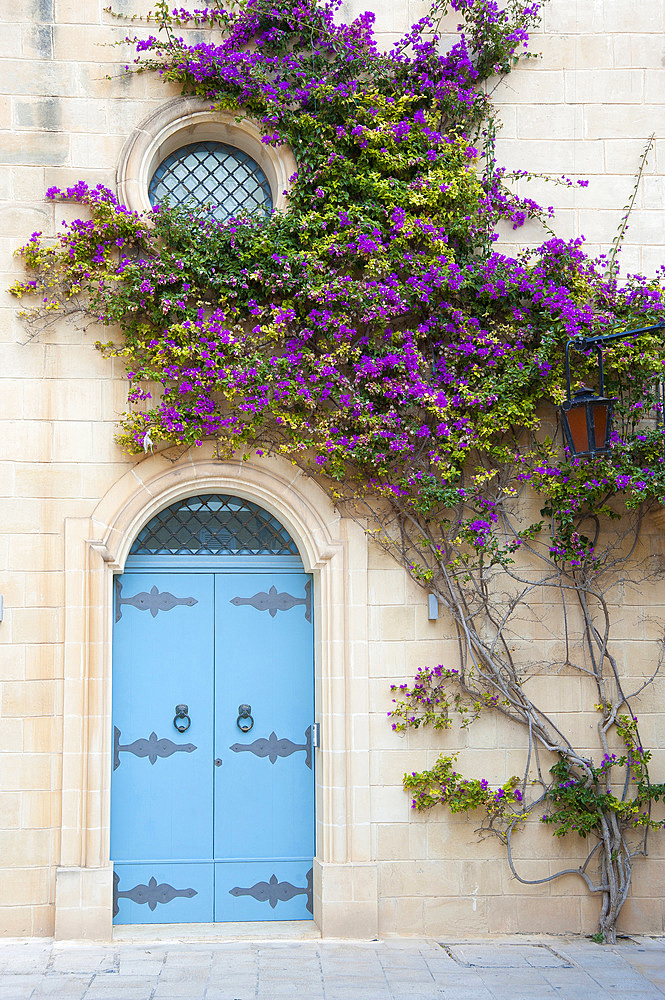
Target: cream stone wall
435, 875
70, 500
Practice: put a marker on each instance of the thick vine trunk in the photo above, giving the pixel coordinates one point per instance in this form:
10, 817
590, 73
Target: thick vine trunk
615, 871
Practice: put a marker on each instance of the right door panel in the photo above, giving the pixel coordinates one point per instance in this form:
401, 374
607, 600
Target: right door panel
264, 788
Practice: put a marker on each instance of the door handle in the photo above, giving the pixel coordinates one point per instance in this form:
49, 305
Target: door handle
244, 721
180, 715
218, 761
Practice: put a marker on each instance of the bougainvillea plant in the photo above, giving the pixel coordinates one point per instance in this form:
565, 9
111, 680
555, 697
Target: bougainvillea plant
373, 335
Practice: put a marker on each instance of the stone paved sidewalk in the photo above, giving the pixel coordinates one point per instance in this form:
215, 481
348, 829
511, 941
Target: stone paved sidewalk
394, 969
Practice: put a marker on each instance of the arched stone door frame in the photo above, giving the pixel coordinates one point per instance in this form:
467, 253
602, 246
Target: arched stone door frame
334, 550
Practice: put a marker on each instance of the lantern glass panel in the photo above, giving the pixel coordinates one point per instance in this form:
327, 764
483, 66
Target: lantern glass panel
577, 424
600, 420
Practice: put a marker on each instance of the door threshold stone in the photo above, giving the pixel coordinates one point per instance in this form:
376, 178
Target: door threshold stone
251, 930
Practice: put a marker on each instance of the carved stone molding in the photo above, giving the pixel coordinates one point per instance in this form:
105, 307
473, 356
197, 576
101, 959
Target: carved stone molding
187, 119
96, 547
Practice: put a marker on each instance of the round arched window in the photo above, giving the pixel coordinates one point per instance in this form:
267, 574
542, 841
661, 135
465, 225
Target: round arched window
212, 175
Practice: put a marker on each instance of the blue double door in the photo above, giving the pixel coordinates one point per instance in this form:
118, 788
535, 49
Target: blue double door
212, 792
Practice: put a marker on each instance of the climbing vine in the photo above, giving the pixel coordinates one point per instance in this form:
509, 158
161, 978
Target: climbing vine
372, 334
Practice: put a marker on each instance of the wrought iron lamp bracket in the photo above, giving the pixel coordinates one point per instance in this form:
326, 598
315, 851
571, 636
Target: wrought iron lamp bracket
583, 344
577, 425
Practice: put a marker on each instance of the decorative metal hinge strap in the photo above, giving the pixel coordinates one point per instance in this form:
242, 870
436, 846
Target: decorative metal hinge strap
272, 748
272, 601
152, 748
152, 601
152, 893
275, 892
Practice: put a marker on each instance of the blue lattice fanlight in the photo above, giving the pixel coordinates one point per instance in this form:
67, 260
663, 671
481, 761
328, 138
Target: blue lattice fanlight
214, 524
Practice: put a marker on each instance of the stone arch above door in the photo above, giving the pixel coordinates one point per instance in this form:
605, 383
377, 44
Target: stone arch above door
331, 547
274, 484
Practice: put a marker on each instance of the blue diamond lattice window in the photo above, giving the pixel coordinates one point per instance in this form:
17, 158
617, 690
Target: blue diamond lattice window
214, 524
221, 178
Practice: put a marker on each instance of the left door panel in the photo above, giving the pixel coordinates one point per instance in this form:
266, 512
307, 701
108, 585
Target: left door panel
162, 779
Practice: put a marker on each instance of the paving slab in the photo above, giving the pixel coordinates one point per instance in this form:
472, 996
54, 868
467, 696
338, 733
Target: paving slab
202, 968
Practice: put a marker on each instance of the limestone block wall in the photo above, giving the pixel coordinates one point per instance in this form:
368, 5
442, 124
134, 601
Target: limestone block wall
434, 873
66, 108
586, 109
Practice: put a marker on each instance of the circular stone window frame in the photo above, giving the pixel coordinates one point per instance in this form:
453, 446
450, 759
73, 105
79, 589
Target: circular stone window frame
187, 120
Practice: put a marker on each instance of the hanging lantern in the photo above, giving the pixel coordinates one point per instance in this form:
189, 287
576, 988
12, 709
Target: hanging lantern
586, 417
587, 423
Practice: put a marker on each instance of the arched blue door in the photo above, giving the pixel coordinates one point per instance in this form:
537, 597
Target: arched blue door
212, 792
